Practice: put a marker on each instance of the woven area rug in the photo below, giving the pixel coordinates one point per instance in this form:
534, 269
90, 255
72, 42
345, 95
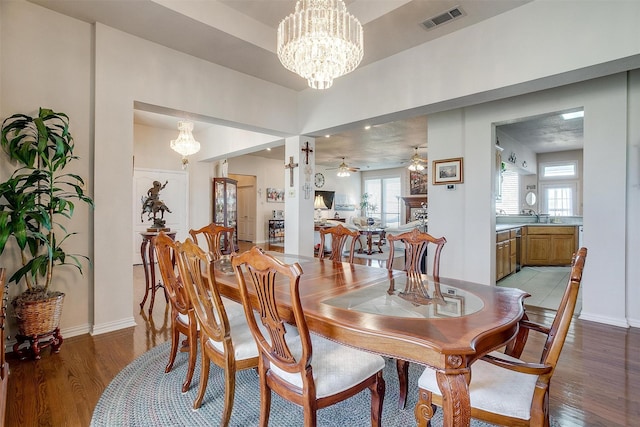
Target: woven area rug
143, 395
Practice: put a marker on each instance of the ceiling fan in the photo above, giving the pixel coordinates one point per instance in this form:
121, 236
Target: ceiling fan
417, 163
344, 169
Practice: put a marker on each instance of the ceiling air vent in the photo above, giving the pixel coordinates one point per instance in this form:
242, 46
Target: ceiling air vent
447, 16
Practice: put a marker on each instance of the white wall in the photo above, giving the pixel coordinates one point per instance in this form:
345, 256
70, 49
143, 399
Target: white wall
45, 64
130, 69
466, 216
633, 201
476, 64
486, 61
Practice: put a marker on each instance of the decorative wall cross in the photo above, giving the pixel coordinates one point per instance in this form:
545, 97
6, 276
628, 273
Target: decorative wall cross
307, 151
290, 166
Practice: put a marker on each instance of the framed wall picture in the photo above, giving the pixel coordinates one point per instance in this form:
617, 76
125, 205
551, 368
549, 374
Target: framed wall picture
275, 195
418, 182
448, 171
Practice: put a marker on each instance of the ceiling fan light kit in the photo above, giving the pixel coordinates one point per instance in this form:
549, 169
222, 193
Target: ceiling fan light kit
417, 163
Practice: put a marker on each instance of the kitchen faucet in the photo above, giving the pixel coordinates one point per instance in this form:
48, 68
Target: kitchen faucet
532, 213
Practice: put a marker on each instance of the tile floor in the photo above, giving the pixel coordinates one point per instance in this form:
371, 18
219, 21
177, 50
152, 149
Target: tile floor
545, 284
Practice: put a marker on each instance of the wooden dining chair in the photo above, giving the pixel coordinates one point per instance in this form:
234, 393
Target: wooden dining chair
219, 239
183, 320
506, 390
306, 369
339, 236
415, 248
224, 337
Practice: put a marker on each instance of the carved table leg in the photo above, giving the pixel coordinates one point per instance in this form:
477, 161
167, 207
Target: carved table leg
145, 266
152, 267
456, 406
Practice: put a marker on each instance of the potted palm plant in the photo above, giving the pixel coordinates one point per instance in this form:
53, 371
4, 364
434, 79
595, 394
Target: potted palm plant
33, 201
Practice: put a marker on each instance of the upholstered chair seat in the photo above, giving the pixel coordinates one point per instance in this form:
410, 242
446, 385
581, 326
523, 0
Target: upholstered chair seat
493, 389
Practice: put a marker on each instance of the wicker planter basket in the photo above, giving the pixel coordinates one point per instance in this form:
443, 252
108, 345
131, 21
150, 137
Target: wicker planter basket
41, 317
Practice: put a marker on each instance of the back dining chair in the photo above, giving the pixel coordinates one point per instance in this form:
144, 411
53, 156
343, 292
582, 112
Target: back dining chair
305, 369
415, 245
339, 237
504, 389
219, 239
224, 335
183, 320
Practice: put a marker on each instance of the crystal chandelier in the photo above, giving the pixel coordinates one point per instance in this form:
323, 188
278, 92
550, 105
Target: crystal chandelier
320, 41
185, 144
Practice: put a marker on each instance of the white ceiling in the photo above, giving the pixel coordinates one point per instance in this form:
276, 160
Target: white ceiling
241, 35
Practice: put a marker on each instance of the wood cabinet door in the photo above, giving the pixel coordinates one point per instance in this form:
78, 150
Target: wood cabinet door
500, 260
538, 249
512, 256
562, 249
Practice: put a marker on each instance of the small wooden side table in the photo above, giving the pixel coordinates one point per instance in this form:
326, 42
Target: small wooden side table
148, 255
369, 233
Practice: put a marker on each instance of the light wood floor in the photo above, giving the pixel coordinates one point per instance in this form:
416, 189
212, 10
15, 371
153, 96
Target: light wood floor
597, 381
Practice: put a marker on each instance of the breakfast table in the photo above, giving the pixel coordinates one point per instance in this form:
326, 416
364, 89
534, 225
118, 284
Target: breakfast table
444, 324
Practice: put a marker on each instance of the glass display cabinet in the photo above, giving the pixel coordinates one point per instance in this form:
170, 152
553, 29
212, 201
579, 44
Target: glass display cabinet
225, 207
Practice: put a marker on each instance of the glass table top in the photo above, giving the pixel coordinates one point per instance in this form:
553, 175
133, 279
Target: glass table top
409, 297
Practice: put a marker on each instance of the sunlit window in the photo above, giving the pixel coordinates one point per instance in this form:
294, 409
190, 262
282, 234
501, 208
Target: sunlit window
558, 170
510, 197
560, 200
384, 193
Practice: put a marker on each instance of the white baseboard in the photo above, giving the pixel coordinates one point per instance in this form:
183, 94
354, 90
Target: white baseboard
634, 323
613, 321
75, 331
113, 326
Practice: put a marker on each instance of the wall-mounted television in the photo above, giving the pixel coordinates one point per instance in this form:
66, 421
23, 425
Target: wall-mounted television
327, 196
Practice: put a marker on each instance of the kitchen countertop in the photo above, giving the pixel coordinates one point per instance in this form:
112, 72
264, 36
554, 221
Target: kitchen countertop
502, 227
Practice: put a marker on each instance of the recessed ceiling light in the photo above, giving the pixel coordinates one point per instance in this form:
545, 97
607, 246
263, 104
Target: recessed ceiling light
327, 136
268, 149
574, 115
367, 127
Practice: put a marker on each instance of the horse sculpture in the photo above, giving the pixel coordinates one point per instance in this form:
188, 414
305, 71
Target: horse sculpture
152, 205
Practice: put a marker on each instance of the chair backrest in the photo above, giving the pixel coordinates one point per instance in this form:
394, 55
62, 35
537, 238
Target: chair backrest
415, 243
339, 236
166, 250
219, 239
197, 276
263, 269
560, 326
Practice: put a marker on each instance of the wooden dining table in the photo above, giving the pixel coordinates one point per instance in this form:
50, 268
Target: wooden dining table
443, 324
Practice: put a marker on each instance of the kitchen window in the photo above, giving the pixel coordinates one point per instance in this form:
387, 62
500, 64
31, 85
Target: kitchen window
559, 188
509, 202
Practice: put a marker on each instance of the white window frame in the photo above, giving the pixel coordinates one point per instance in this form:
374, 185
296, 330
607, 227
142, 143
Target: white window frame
381, 213
544, 165
544, 202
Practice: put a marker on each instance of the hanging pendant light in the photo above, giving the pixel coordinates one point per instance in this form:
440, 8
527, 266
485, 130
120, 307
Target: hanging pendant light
185, 144
416, 162
320, 41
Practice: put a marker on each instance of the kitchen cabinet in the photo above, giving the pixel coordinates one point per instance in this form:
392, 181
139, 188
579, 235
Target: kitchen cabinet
225, 206
505, 252
548, 245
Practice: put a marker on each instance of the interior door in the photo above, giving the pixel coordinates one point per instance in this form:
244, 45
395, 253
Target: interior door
247, 212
